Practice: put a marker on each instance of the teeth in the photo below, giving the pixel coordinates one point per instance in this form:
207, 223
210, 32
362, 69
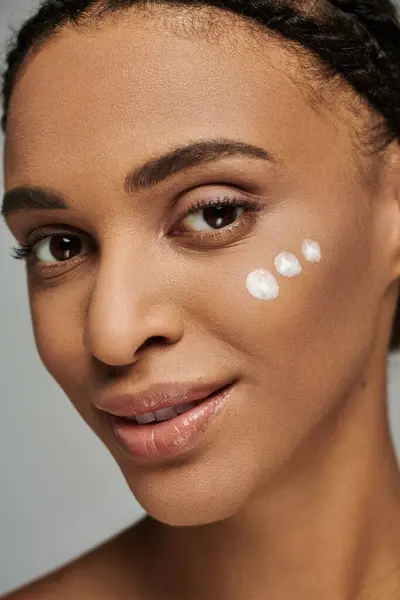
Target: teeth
143, 419
164, 414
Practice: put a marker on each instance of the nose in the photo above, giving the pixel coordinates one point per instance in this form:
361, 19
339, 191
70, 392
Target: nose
128, 311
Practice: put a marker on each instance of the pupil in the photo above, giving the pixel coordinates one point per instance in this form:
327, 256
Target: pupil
220, 216
64, 248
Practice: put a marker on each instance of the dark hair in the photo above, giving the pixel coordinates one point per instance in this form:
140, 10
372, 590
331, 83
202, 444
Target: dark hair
356, 39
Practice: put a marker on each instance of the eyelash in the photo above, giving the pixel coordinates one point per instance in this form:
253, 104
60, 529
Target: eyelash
25, 250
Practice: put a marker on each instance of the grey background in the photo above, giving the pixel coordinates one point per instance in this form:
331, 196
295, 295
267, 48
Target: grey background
61, 493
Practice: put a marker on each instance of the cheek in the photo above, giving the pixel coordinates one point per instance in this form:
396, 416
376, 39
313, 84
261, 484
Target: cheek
57, 316
303, 325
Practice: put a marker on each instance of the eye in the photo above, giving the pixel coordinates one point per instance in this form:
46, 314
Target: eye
212, 218
60, 247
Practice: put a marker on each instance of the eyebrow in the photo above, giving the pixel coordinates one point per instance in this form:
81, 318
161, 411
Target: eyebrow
148, 175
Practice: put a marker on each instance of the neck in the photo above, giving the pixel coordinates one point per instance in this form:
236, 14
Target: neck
327, 525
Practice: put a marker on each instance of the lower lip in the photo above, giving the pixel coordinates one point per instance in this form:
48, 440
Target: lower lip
172, 438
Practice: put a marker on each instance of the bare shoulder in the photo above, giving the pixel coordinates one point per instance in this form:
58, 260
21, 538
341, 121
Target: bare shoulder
50, 586
108, 572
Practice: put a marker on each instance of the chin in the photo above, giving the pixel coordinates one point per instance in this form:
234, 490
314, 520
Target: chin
194, 496
192, 514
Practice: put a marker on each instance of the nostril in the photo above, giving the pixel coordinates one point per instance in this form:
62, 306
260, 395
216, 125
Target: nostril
154, 341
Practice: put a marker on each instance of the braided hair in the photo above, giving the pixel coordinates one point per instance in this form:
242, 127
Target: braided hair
358, 40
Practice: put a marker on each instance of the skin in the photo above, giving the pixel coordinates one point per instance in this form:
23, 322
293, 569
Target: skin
296, 485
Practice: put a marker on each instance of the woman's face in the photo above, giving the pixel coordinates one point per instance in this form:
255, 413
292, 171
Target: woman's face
142, 294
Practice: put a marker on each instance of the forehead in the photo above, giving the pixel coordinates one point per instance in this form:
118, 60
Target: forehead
134, 86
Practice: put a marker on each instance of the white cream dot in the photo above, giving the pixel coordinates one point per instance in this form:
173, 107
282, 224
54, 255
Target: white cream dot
288, 265
262, 285
311, 251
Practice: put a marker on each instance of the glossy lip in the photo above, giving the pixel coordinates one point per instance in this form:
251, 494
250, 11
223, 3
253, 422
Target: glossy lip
157, 397
172, 438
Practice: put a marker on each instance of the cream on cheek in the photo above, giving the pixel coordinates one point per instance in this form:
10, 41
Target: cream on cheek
263, 285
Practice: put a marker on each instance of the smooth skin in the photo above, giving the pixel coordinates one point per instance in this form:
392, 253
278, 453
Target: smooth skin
294, 492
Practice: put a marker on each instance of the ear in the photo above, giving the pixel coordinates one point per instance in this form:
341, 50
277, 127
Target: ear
389, 206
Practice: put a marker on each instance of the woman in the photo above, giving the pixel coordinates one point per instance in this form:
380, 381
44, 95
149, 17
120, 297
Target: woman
207, 198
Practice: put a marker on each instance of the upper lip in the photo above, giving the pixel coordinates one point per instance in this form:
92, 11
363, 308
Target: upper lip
157, 397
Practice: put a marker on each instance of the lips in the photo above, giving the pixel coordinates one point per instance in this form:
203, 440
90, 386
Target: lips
174, 437
159, 397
